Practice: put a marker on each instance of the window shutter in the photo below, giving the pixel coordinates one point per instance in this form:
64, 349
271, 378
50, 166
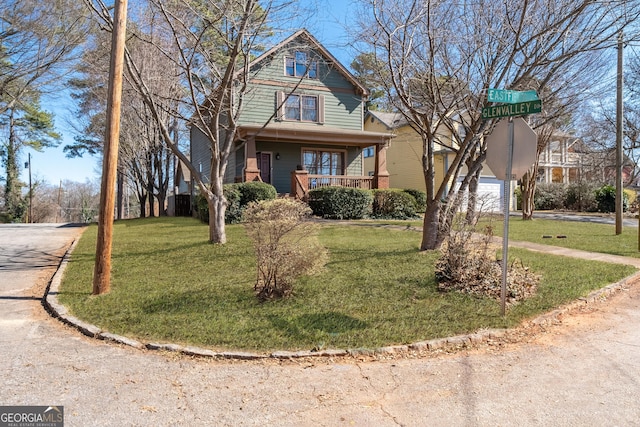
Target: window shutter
320, 108
280, 105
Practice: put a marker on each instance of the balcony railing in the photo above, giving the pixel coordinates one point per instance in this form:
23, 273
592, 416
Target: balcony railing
555, 159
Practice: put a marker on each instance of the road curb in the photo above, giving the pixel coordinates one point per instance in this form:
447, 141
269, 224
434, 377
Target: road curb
60, 312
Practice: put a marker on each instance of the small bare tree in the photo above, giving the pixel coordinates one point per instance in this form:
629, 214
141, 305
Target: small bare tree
286, 245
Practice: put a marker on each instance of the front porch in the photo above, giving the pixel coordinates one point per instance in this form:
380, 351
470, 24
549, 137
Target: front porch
299, 158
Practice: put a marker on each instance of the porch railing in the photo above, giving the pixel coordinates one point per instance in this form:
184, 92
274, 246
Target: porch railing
302, 182
316, 181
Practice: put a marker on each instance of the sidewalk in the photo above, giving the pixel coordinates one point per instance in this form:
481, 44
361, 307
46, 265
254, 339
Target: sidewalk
575, 253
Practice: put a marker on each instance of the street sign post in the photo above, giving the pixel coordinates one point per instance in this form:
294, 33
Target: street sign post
518, 145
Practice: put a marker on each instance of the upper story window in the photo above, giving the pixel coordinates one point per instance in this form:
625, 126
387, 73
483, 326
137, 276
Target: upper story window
300, 65
302, 108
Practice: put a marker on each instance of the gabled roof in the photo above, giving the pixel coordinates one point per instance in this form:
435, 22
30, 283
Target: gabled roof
315, 44
390, 120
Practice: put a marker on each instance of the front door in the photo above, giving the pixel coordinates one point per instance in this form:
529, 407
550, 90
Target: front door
264, 164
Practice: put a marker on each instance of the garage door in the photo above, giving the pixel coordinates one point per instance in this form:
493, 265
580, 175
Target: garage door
489, 195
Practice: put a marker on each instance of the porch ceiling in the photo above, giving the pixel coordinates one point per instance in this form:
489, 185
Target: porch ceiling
286, 132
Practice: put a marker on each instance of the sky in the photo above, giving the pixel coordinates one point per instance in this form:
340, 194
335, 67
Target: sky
52, 166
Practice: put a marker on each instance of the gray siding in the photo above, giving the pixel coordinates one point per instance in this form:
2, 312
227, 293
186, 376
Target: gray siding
200, 153
291, 158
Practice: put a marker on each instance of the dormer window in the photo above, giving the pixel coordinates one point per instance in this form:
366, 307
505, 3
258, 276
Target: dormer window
300, 65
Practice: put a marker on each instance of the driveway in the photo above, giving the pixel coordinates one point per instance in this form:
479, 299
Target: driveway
581, 372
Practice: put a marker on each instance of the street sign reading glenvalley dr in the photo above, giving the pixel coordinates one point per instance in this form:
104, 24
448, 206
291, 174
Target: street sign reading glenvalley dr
506, 110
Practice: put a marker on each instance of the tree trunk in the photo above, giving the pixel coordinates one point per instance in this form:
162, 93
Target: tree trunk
217, 208
430, 227
472, 199
143, 204
120, 196
528, 189
12, 191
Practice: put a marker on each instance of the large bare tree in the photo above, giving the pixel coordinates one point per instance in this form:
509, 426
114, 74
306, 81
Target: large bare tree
441, 57
144, 161
38, 42
211, 44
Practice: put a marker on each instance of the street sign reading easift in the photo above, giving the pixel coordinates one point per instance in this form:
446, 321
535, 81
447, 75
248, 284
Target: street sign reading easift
511, 96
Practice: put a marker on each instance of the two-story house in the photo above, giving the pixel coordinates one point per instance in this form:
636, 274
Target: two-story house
301, 126
561, 160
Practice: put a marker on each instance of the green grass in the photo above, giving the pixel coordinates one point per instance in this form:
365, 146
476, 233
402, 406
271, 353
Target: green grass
579, 235
169, 284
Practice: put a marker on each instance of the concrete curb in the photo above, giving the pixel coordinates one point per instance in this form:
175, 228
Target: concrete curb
60, 312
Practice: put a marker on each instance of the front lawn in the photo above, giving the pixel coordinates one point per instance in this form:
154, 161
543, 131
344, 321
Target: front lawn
577, 235
169, 284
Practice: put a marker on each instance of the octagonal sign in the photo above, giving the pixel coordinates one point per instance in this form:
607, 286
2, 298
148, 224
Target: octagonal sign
525, 142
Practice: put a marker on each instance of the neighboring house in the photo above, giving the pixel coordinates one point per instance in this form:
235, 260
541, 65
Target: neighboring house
561, 160
567, 160
404, 158
301, 126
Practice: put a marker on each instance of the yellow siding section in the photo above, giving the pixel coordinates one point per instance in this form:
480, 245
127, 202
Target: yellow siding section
404, 157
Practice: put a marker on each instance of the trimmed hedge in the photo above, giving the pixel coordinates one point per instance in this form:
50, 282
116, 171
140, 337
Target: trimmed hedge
393, 204
340, 202
255, 191
420, 198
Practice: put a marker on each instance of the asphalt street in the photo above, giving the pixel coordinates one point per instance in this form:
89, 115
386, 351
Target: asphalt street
580, 372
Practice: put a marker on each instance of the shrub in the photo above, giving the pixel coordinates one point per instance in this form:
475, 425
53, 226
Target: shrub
238, 197
581, 197
469, 266
606, 199
632, 198
255, 191
420, 198
233, 214
285, 244
549, 196
340, 202
393, 204
202, 208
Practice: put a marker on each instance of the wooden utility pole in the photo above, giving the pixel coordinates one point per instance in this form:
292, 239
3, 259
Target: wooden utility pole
102, 268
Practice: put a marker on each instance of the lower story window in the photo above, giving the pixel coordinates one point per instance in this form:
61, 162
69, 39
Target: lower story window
319, 162
368, 152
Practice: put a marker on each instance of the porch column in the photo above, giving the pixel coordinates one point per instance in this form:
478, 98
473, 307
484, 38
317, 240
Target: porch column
299, 183
251, 171
381, 175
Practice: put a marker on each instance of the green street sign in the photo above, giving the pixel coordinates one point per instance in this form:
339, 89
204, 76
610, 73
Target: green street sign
511, 96
507, 110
